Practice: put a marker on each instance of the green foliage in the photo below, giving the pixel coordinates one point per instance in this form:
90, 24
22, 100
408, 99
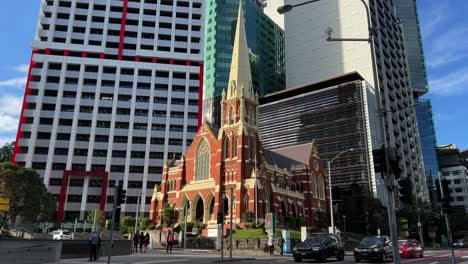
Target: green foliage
248, 217
100, 218
167, 215
6, 152
146, 224
127, 225
190, 226
29, 198
294, 234
249, 233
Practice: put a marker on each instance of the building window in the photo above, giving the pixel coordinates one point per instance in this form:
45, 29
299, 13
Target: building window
226, 147
234, 146
202, 161
252, 117
321, 188
231, 115
313, 180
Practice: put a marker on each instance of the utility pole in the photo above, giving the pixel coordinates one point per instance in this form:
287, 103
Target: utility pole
445, 198
185, 225
230, 228
110, 245
136, 213
223, 198
94, 221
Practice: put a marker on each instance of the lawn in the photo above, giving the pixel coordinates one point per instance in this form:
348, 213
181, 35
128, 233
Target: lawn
249, 233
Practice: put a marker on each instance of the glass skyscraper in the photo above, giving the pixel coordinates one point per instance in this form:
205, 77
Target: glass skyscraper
265, 41
428, 140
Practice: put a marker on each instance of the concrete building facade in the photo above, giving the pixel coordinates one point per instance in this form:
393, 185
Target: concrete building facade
114, 88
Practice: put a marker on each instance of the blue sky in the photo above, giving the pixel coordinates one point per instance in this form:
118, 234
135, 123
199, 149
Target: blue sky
444, 29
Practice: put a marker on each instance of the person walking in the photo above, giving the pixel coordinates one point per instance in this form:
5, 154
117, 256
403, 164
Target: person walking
146, 241
270, 245
93, 244
170, 242
281, 245
136, 240
98, 246
141, 239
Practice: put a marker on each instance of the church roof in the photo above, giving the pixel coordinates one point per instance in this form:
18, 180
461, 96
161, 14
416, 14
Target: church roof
288, 156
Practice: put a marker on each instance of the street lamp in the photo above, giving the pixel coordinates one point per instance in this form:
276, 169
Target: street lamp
330, 187
286, 8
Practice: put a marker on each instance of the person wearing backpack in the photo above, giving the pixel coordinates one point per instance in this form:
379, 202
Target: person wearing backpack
170, 242
136, 240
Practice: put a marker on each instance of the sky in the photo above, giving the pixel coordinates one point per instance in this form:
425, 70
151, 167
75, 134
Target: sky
444, 30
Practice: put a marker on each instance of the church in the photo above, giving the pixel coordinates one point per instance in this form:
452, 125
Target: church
289, 181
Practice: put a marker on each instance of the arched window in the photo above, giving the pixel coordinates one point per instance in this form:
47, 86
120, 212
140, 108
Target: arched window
231, 115
226, 147
253, 147
252, 116
321, 188
202, 161
313, 180
234, 146
246, 202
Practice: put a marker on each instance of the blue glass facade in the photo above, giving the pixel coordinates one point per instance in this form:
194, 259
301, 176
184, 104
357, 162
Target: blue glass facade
428, 139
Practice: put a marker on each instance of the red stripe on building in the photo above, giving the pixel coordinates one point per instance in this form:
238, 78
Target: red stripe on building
200, 96
122, 29
27, 92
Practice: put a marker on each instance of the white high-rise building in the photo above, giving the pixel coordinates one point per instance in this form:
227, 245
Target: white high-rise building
311, 58
114, 89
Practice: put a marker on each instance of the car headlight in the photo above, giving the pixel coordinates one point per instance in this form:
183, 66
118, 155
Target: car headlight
355, 249
294, 248
315, 249
376, 249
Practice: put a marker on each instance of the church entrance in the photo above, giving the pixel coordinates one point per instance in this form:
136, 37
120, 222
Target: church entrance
199, 211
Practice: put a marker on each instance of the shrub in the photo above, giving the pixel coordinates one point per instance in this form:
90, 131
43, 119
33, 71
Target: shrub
167, 215
248, 217
145, 223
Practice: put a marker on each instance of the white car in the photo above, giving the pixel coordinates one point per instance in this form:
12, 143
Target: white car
61, 234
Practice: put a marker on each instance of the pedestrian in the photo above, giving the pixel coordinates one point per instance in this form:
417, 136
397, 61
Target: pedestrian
98, 246
146, 241
142, 238
93, 244
270, 245
136, 240
170, 242
281, 245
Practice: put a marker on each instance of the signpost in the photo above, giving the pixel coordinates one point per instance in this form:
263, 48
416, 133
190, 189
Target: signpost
4, 204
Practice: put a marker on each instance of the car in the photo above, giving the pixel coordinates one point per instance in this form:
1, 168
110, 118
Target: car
377, 248
61, 234
410, 248
319, 247
460, 243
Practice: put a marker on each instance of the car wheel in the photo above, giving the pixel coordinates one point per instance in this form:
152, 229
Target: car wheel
340, 256
297, 260
321, 258
357, 260
421, 255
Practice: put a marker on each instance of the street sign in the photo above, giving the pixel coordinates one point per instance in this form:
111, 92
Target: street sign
4, 200
432, 234
4, 207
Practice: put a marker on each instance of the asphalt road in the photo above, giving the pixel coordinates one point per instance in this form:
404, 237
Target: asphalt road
180, 257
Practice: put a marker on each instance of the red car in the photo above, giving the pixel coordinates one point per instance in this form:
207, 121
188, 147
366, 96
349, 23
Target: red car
410, 248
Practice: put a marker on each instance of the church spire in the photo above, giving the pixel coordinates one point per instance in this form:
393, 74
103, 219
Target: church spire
240, 78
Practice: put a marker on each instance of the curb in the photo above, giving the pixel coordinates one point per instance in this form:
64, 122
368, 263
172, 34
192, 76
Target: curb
232, 260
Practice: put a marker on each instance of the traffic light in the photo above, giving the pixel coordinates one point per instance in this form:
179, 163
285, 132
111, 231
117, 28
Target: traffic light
394, 162
405, 190
380, 163
443, 192
220, 217
121, 195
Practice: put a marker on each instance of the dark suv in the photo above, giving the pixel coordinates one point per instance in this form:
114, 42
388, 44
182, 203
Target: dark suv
319, 247
374, 248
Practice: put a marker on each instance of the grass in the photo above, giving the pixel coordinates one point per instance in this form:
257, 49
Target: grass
249, 233
294, 234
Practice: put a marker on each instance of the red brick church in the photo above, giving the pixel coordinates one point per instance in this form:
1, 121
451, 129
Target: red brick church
288, 181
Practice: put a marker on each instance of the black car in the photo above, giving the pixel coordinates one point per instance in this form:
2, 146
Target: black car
374, 248
319, 247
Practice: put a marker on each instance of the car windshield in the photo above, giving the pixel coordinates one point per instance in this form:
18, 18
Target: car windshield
404, 243
372, 241
315, 240
66, 232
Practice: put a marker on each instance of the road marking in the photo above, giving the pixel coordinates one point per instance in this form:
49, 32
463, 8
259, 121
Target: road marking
435, 262
463, 257
160, 261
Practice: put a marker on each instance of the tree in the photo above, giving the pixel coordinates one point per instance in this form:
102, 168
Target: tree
248, 217
100, 218
167, 215
127, 225
6, 152
29, 198
146, 224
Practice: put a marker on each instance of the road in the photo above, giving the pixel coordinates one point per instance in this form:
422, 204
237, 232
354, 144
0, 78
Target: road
181, 257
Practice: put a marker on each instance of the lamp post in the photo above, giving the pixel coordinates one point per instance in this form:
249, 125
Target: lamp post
332, 222
389, 178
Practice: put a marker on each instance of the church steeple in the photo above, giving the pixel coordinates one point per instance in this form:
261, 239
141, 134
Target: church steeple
240, 78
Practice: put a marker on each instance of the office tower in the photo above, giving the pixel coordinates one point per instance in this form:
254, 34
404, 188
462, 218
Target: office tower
310, 58
451, 163
340, 114
265, 40
428, 141
114, 89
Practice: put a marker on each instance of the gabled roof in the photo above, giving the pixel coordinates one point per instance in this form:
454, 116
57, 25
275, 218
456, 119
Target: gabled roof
288, 156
